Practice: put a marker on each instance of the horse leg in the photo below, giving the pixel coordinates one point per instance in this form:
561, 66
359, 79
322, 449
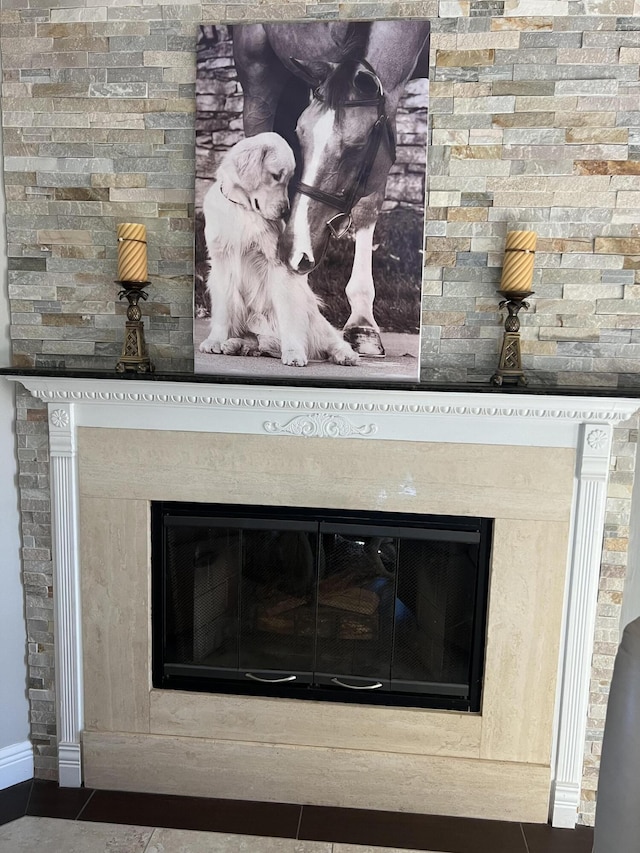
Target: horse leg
361, 329
261, 75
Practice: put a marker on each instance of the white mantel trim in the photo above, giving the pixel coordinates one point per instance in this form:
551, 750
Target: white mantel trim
437, 416
581, 599
582, 423
66, 587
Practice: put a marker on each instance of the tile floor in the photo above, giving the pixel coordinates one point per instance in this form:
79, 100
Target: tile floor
40, 817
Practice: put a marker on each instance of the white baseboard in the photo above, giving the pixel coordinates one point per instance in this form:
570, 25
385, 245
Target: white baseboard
565, 802
16, 764
69, 765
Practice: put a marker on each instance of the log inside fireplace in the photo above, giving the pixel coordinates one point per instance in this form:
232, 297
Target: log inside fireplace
372, 607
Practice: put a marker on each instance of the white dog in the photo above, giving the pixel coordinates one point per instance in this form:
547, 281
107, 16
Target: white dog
258, 306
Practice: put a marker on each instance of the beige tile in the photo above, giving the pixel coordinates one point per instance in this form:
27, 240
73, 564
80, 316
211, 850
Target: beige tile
454, 479
333, 777
185, 841
323, 724
51, 835
311, 742
114, 537
525, 612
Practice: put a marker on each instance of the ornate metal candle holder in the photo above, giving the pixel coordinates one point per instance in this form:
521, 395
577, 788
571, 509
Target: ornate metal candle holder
510, 366
134, 349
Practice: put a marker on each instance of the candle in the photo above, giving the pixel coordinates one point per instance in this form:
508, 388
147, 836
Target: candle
519, 255
132, 252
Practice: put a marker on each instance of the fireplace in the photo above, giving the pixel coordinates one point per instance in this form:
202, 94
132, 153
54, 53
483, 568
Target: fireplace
379, 608
535, 464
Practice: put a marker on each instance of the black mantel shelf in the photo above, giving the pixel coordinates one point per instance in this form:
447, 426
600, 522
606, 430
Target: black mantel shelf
533, 389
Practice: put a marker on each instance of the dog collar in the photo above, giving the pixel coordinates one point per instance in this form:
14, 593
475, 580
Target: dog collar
232, 200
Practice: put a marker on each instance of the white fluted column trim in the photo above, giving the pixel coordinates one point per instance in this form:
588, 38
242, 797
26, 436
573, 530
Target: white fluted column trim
66, 591
586, 553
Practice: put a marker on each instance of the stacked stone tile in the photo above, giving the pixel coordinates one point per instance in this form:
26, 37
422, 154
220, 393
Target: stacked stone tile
98, 129
35, 512
534, 124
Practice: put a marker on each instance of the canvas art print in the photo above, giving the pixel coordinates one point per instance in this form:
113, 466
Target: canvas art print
311, 152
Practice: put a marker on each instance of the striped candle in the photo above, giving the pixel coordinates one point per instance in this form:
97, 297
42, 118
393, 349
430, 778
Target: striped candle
519, 256
132, 252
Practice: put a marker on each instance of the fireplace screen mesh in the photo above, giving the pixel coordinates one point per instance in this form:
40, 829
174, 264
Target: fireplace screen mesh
320, 604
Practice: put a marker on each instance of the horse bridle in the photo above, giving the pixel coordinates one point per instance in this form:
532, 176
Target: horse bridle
344, 202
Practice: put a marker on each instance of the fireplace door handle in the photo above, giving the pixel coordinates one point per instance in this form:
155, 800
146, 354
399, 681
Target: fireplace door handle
357, 686
269, 680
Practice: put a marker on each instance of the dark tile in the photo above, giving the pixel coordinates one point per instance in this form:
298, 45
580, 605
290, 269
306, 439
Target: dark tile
279, 820
545, 839
35, 264
49, 800
421, 832
13, 801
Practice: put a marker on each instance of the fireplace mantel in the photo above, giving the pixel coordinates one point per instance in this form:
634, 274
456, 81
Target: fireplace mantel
393, 414
583, 424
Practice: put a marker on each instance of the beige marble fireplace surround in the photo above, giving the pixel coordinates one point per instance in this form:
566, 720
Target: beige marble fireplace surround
495, 764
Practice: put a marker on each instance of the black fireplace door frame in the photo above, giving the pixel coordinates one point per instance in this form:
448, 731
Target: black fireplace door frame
315, 681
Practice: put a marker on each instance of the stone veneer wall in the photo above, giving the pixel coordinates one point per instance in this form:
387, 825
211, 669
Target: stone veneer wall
535, 123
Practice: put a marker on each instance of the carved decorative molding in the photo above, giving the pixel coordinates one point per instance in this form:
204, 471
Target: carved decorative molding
62, 434
606, 416
59, 418
597, 438
362, 401
327, 426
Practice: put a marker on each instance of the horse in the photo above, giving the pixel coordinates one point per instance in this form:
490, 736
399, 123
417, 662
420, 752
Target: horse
332, 89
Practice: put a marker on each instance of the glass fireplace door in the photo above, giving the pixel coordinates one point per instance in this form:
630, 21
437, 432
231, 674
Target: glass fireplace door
320, 603
239, 601
356, 593
396, 608
277, 602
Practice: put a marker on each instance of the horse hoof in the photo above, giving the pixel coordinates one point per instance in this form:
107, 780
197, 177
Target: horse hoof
365, 341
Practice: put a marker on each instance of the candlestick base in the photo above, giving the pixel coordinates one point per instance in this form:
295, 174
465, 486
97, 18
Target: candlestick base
134, 355
510, 365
